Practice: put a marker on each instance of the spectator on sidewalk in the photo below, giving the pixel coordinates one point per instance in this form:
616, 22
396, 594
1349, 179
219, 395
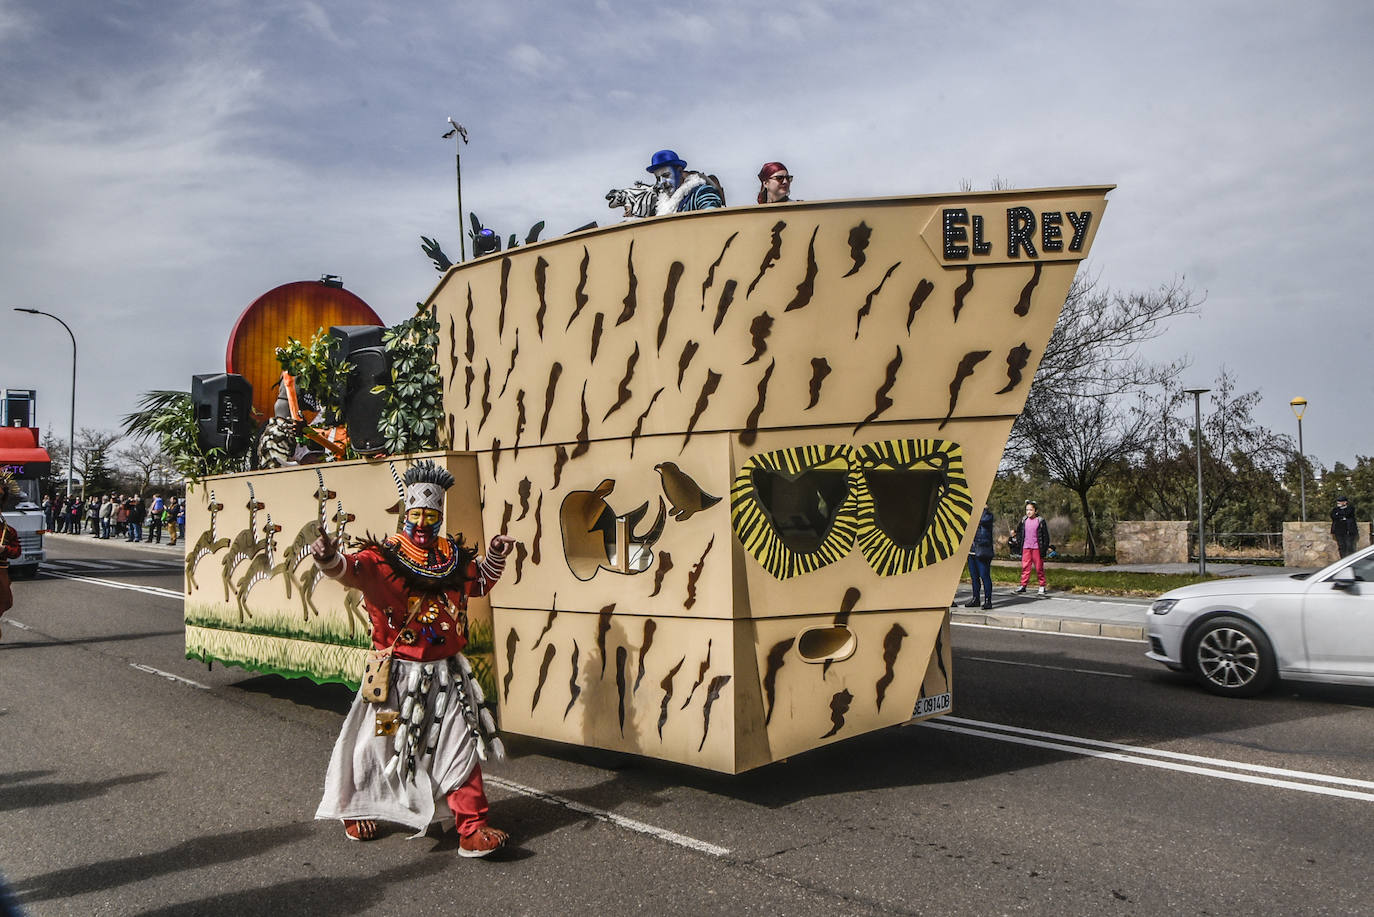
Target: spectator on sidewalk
136, 514
980, 562
1343, 526
75, 507
107, 507
155, 519
1033, 535
176, 518
93, 515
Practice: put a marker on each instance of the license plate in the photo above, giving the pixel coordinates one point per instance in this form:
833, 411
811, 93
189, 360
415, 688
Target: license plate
936, 703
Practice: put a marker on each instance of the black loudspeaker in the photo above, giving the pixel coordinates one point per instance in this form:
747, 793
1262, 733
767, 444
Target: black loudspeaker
362, 346
344, 339
223, 404
362, 406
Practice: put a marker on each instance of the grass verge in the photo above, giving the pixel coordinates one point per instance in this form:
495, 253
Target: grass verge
1103, 582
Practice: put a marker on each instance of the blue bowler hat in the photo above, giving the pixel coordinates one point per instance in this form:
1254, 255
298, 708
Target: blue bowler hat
665, 158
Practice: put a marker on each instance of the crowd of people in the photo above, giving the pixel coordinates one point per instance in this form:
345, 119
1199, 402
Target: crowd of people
124, 516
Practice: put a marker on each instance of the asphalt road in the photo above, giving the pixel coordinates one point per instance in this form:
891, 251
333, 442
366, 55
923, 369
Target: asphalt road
1074, 777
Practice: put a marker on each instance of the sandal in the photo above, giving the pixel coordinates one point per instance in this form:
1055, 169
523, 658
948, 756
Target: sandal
481, 842
360, 829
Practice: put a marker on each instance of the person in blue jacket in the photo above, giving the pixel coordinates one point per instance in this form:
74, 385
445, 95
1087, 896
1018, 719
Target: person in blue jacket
980, 562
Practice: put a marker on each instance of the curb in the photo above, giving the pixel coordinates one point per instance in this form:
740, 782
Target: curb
1075, 626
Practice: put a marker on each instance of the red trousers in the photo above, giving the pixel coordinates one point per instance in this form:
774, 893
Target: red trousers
469, 804
1031, 557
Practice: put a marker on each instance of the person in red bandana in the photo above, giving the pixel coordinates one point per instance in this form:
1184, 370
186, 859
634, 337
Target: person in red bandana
413, 757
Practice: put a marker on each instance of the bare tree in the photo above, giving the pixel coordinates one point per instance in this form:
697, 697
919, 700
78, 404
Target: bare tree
93, 457
1242, 461
1077, 417
142, 462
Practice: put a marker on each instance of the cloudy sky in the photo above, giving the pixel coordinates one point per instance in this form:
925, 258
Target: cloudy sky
163, 164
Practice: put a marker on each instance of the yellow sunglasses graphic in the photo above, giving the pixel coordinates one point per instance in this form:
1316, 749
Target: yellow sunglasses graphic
906, 502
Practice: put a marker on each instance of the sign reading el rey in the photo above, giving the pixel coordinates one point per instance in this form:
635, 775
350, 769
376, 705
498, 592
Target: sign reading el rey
1024, 229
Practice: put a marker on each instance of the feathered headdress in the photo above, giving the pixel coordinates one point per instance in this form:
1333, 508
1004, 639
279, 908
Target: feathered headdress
425, 485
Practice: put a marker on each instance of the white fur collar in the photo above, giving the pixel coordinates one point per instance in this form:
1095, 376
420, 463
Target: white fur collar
670, 203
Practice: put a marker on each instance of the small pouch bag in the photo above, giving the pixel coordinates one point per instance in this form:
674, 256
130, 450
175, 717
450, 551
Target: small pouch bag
377, 676
376, 686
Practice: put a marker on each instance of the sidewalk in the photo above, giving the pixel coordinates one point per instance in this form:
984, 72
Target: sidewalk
1099, 616
63, 538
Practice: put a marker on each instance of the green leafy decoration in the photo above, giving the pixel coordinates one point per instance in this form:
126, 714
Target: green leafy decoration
318, 372
413, 414
171, 417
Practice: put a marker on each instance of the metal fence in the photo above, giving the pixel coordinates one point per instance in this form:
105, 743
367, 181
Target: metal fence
1239, 545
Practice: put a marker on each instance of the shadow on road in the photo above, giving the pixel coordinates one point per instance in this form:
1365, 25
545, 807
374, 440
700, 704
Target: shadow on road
332, 697
21, 794
199, 852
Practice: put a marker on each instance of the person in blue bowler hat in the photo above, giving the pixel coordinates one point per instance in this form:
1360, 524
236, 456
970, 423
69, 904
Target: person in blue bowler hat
680, 190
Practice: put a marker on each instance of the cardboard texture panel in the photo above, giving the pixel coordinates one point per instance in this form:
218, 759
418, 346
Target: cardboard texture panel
741, 450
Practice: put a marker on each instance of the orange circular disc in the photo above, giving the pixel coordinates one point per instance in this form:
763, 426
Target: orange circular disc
295, 310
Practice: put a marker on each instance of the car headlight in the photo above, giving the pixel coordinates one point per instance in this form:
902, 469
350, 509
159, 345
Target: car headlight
1163, 606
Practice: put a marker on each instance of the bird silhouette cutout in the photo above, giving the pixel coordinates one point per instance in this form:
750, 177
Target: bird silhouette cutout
685, 496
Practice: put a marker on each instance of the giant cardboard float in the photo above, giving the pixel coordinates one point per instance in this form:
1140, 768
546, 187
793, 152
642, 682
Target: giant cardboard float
741, 450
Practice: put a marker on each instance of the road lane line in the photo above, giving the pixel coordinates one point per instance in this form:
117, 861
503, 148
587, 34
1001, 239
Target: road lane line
146, 590
168, 675
10, 622
1161, 753
1036, 665
663, 834
1166, 765
1049, 633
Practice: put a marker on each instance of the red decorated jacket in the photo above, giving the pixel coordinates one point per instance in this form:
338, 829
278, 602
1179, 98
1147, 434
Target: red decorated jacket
9, 544
423, 624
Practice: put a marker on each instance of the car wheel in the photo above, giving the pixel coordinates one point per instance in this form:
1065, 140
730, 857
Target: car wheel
1232, 657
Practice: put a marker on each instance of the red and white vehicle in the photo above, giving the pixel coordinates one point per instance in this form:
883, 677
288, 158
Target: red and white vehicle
21, 456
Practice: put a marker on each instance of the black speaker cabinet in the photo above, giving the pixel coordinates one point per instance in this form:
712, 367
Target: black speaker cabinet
223, 404
363, 407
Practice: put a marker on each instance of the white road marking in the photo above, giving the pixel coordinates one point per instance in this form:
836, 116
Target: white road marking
10, 622
1049, 633
146, 590
1150, 757
168, 675
1036, 665
672, 837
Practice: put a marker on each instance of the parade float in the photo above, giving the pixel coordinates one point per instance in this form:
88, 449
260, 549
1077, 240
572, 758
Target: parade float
740, 448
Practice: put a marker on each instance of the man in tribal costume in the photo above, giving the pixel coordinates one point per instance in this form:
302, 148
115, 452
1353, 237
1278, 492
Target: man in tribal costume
413, 758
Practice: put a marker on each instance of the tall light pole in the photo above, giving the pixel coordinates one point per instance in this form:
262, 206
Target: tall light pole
71, 427
1197, 394
460, 135
1299, 406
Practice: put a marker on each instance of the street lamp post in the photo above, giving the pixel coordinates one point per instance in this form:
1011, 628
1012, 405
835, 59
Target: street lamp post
460, 135
1299, 406
1197, 394
71, 427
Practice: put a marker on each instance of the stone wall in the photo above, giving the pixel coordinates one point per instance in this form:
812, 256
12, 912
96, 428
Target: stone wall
1152, 542
1309, 544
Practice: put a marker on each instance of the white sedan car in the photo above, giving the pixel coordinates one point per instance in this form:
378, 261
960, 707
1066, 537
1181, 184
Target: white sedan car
1238, 635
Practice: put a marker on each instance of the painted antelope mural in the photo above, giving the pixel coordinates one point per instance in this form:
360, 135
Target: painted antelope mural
245, 545
206, 543
740, 450
259, 567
